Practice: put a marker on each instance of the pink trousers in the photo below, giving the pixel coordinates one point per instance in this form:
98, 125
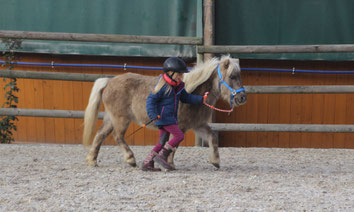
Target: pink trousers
165, 132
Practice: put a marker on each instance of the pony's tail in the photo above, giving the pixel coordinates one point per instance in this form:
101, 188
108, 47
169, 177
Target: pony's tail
91, 112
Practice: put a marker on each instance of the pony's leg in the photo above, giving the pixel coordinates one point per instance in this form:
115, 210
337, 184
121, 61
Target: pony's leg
120, 127
103, 132
207, 134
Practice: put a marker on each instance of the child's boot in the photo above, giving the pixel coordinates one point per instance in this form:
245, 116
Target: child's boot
161, 158
148, 164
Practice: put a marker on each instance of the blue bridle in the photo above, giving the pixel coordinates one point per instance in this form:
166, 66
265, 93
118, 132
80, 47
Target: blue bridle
233, 91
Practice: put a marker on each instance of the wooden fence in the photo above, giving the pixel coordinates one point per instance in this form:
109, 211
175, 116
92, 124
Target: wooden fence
200, 50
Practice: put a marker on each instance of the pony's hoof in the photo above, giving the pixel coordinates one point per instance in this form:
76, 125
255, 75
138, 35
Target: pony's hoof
131, 161
90, 160
92, 163
173, 166
216, 165
132, 164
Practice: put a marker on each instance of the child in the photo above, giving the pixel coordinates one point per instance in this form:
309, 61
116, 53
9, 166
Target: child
162, 106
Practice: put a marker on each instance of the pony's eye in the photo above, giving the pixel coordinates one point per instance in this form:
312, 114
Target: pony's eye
233, 77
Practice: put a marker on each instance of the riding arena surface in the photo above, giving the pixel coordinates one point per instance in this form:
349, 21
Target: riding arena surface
52, 177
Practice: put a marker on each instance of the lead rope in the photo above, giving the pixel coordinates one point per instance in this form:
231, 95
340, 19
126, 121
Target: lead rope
212, 107
144, 125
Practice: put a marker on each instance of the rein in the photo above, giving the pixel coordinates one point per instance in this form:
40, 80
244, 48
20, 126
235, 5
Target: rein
214, 108
232, 95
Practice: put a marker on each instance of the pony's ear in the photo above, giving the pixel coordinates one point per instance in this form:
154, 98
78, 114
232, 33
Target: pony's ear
226, 64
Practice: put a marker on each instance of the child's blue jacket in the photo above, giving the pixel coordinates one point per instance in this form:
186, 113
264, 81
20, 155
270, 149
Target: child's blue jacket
166, 105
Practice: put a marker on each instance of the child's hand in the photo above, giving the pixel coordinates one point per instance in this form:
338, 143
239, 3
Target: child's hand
205, 96
158, 117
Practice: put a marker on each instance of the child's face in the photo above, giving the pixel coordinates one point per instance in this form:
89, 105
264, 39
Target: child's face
178, 77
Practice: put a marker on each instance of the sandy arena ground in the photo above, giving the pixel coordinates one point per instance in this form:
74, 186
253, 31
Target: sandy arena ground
48, 177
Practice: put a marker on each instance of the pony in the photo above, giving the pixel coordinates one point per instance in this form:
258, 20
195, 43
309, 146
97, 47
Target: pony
124, 98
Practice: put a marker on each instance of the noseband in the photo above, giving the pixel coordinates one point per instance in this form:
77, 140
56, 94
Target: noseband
233, 91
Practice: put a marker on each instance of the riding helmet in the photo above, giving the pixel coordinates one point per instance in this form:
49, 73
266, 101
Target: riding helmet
175, 64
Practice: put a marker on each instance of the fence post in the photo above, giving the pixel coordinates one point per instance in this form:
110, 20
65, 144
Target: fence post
198, 139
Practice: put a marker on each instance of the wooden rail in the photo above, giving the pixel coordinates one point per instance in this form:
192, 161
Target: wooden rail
214, 126
109, 38
253, 49
327, 128
300, 89
75, 114
52, 75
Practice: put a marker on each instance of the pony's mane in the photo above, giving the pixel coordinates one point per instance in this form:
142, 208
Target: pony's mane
202, 73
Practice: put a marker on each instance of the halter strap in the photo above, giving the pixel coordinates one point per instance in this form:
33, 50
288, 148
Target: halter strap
233, 91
